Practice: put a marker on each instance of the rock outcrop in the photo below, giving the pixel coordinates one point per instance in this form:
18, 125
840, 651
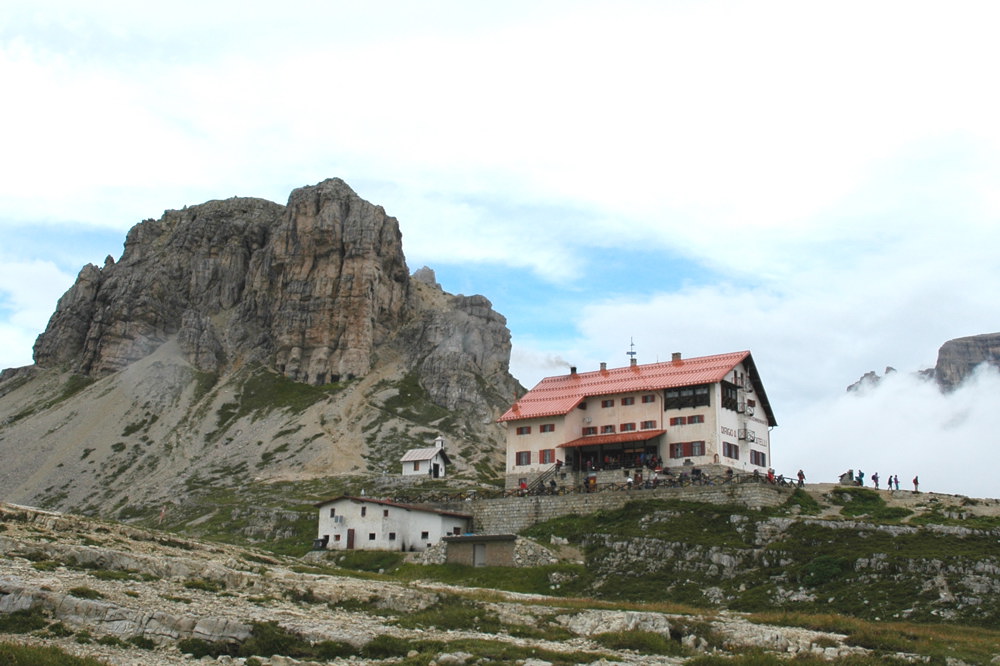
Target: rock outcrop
242, 339
957, 360
959, 357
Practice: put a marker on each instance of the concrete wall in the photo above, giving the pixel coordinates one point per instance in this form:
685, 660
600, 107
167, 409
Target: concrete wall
510, 515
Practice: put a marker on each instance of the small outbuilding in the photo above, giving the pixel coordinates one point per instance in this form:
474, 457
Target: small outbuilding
431, 461
481, 550
364, 523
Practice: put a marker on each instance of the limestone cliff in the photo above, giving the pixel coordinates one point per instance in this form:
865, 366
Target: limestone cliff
243, 339
956, 361
959, 357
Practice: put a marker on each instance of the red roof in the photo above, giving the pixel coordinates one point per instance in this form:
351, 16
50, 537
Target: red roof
618, 438
557, 396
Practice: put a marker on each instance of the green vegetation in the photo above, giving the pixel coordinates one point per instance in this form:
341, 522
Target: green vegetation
682, 550
939, 642
805, 502
85, 593
73, 385
555, 579
865, 502
644, 642
266, 640
204, 585
22, 621
27, 655
370, 560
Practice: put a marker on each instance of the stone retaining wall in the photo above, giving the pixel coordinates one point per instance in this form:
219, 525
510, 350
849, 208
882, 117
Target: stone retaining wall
510, 515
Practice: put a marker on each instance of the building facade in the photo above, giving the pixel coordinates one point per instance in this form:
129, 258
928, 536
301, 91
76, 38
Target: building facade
430, 462
364, 523
709, 412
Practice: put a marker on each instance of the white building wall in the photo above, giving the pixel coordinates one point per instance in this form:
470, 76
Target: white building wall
384, 527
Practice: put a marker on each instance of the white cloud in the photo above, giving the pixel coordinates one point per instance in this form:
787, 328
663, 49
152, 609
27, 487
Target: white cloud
28, 295
905, 426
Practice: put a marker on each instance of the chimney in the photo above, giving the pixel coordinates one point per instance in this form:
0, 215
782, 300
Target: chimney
675, 357
572, 370
633, 362
604, 366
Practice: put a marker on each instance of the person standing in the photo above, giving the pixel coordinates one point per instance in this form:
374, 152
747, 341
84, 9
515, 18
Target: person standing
916, 484
897, 482
802, 478
875, 480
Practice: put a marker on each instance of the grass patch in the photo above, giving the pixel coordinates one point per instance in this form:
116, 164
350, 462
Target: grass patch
807, 505
453, 614
85, 593
644, 642
27, 655
23, 621
857, 502
376, 561
938, 642
204, 585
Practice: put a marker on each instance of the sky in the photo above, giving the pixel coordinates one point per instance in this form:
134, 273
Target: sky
815, 182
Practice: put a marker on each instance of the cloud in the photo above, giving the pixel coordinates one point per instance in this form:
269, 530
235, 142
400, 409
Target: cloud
28, 295
904, 426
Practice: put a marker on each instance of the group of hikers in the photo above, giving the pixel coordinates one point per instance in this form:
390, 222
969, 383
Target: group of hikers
849, 478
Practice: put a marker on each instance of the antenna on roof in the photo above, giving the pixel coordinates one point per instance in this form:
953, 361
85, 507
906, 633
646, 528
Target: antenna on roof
631, 352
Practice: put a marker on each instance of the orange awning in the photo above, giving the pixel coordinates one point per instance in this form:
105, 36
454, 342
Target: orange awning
617, 438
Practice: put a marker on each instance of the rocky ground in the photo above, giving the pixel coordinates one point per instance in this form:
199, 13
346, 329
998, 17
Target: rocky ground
100, 580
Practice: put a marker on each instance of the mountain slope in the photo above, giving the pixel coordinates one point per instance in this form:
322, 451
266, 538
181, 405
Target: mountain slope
240, 341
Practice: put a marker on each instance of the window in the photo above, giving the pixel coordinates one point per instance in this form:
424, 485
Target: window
758, 458
392, 536
731, 450
547, 456
424, 535
524, 430
523, 457
607, 403
547, 427
336, 537
730, 396
648, 425
678, 420
687, 449
607, 429
590, 430
416, 466
648, 398
627, 427
333, 512
457, 531
371, 536
691, 396
364, 511
385, 513
696, 418
628, 401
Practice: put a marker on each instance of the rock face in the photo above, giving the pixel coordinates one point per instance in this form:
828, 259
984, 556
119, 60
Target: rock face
959, 357
311, 288
170, 358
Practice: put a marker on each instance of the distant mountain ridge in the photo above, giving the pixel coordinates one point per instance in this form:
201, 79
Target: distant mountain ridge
956, 361
242, 339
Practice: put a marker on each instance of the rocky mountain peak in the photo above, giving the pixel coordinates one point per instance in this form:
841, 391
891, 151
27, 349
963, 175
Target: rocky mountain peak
309, 288
199, 334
